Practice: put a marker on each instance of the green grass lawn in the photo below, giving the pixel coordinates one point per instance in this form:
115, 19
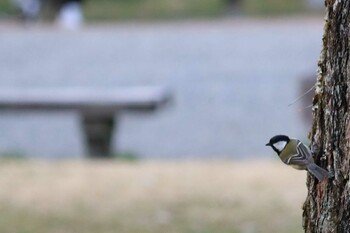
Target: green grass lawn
111, 10
150, 197
151, 9
165, 9
273, 7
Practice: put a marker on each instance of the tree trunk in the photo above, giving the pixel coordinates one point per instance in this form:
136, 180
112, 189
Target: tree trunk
327, 206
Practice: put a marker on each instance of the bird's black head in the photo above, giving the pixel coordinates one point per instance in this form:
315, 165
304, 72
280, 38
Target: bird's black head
278, 143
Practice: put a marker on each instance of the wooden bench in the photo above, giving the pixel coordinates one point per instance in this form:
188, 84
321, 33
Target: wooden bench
98, 108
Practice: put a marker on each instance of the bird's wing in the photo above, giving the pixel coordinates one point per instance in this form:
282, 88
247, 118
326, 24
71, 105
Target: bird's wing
301, 157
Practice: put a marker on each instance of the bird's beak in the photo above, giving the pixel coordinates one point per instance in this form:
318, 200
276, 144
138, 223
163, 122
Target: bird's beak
268, 144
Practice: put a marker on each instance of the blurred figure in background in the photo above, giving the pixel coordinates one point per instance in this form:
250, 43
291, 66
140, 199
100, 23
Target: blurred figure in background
29, 9
70, 15
234, 7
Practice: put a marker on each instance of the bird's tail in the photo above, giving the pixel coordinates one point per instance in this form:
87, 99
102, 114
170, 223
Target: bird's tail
318, 172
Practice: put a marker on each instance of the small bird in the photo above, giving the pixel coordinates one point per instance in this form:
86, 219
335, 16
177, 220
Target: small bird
296, 154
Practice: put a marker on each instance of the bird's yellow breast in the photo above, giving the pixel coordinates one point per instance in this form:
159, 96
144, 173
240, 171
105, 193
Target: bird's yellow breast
289, 150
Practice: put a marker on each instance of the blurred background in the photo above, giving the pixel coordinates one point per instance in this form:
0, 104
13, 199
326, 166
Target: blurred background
195, 164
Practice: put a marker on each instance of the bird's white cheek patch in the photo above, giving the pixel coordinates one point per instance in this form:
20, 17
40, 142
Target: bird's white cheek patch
280, 145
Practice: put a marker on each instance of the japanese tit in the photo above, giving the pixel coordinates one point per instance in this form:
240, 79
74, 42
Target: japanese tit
296, 154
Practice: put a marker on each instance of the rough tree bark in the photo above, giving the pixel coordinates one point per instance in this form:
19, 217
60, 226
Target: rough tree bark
327, 206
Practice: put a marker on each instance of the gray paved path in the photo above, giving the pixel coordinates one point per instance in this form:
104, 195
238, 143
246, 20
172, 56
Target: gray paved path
233, 80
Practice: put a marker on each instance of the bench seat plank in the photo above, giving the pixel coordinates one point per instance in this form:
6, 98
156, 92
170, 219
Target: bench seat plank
136, 98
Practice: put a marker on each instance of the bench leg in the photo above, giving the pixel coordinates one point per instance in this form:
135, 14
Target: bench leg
98, 132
